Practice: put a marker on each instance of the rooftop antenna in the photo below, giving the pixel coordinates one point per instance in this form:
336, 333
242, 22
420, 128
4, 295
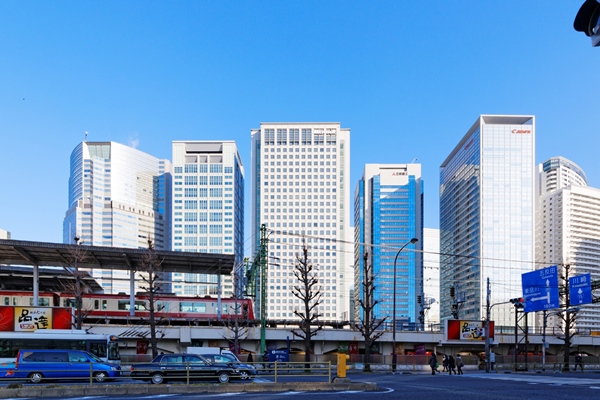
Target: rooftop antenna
85, 138
412, 162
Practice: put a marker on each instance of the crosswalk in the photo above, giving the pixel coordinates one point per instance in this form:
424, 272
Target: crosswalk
543, 380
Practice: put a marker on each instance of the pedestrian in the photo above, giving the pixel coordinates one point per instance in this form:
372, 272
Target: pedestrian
493, 359
433, 363
451, 365
459, 364
578, 361
445, 363
250, 359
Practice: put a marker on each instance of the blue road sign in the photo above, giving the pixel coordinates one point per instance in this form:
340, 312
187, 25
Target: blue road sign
540, 289
580, 289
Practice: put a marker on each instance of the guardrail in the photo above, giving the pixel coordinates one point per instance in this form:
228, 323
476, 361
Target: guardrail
294, 369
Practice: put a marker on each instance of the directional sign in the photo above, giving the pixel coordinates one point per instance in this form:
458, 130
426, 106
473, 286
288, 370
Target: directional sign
580, 289
540, 289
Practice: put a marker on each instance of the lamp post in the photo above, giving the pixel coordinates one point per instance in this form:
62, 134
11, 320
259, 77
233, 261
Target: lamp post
394, 358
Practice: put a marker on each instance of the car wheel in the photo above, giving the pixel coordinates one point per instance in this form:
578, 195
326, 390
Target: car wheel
157, 378
223, 377
36, 377
100, 376
244, 375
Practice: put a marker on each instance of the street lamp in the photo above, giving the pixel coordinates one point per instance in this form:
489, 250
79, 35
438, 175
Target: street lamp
394, 359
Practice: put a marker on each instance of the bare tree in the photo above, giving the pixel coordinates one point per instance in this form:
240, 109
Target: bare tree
237, 323
307, 290
567, 318
369, 325
151, 266
77, 288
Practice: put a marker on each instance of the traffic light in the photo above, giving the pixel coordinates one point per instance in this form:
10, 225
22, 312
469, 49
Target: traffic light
518, 302
419, 299
341, 365
452, 291
588, 20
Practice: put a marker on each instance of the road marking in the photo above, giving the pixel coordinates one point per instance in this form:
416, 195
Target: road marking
536, 380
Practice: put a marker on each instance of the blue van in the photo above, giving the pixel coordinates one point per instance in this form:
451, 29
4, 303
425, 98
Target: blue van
39, 365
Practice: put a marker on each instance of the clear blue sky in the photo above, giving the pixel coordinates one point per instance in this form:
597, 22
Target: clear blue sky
407, 77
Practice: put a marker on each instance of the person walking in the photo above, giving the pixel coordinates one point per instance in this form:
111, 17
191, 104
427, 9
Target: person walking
433, 363
578, 361
459, 364
445, 363
451, 365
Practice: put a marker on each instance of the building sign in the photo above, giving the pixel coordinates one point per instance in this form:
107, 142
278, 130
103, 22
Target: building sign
30, 319
521, 131
470, 330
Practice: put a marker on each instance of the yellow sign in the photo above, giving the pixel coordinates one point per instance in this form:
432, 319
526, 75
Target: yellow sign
29, 319
472, 330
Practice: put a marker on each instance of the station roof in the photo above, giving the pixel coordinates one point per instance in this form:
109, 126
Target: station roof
17, 252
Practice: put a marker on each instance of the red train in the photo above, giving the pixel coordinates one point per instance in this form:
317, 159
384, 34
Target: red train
115, 308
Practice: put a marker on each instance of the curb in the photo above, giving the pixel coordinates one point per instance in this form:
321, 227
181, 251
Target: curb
141, 389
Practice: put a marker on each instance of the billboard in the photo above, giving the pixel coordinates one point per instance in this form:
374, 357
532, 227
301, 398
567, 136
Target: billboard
30, 319
467, 330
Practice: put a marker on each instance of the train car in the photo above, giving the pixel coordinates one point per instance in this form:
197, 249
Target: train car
21, 298
115, 308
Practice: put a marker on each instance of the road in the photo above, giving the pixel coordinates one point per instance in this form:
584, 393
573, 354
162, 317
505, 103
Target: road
473, 386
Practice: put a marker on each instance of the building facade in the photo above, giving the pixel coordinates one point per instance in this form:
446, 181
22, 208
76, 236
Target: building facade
118, 197
487, 217
208, 211
431, 278
300, 192
388, 213
568, 231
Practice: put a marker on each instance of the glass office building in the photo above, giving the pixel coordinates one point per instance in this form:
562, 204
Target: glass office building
487, 217
118, 197
300, 192
208, 210
388, 213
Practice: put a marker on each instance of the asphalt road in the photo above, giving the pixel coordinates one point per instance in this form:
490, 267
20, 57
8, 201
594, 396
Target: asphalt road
471, 386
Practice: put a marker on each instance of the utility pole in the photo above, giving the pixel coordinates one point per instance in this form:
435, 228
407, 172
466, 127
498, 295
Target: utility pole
263, 287
488, 310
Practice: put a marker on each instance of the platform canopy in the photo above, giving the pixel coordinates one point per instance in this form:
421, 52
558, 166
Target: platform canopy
38, 254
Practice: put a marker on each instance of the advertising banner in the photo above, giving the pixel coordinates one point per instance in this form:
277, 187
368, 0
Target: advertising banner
468, 330
29, 319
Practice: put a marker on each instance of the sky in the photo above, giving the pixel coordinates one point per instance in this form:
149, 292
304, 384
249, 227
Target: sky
408, 78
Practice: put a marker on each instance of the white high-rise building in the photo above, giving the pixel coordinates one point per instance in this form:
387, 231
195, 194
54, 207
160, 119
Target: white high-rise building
4, 234
208, 210
431, 277
487, 217
568, 230
118, 197
301, 192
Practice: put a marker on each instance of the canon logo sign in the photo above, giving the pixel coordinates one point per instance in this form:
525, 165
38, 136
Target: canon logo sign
522, 131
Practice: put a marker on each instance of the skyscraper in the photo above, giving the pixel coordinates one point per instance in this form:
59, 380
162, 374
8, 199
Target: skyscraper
487, 216
300, 192
208, 209
431, 277
118, 197
388, 213
568, 234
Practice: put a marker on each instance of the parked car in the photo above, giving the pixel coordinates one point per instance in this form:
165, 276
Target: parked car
166, 367
39, 365
247, 371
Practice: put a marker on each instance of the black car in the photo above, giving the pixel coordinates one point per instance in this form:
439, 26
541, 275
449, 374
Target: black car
247, 371
166, 367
